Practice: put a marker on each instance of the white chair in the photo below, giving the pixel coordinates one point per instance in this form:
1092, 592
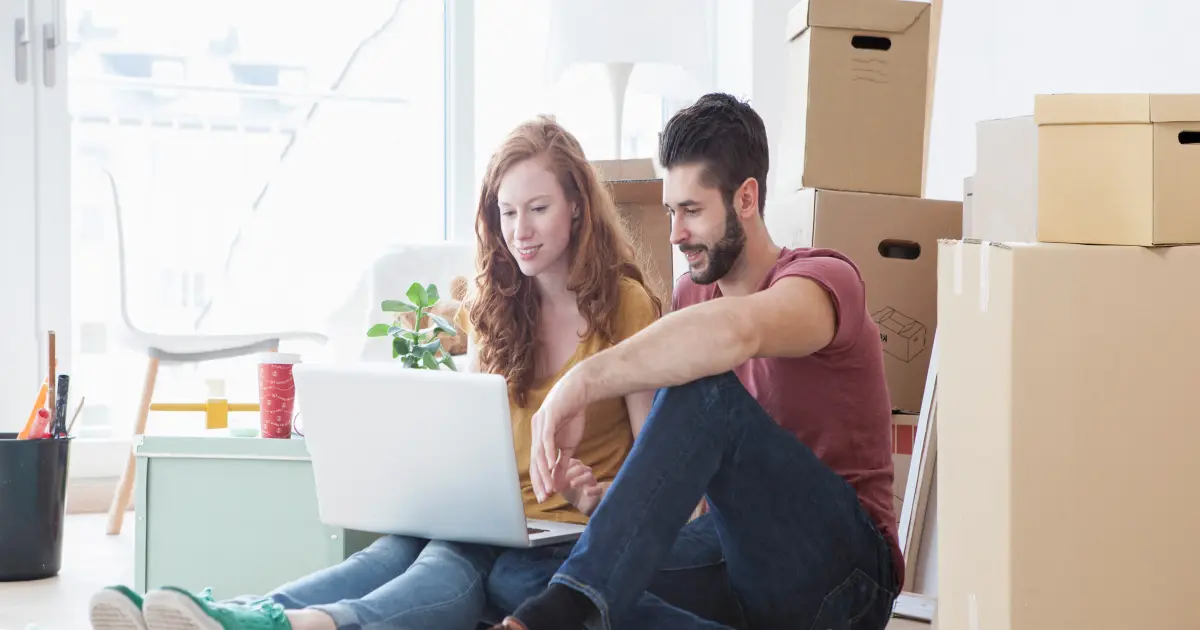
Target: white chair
159, 348
398, 267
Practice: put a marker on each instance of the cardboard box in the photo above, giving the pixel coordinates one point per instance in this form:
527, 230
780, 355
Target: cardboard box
637, 190
893, 240
904, 436
1118, 169
854, 115
1004, 198
1068, 446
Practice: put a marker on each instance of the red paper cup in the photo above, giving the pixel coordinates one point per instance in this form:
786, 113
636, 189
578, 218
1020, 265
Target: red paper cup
276, 394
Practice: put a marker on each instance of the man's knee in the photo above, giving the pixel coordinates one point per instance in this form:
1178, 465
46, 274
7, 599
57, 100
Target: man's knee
704, 391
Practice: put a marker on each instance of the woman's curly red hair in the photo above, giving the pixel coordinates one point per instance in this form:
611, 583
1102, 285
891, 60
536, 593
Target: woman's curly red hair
504, 307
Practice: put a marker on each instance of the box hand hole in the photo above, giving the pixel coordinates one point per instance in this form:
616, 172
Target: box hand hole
899, 249
871, 42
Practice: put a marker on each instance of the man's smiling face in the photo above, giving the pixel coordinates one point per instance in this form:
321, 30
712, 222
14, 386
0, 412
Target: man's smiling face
703, 226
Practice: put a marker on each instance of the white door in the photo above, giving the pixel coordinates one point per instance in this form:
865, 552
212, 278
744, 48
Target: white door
18, 236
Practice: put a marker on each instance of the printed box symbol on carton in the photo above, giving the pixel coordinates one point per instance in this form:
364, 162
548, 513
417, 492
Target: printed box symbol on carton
902, 336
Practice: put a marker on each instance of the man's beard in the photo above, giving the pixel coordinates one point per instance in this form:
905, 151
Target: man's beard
722, 254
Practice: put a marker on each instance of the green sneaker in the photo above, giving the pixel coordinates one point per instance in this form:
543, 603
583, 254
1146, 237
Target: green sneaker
171, 608
116, 608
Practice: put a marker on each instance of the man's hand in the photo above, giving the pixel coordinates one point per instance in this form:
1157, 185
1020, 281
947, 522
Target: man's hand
557, 430
579, 487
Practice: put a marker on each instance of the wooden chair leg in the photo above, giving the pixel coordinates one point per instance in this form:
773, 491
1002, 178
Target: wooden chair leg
120, 501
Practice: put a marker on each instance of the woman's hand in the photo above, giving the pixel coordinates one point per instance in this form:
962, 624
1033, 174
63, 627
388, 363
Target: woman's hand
579, 487
557, 430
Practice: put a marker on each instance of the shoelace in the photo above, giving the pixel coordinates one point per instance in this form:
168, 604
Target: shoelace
273, 610
270, 608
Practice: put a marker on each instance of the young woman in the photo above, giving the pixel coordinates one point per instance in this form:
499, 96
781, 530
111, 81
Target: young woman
558, 281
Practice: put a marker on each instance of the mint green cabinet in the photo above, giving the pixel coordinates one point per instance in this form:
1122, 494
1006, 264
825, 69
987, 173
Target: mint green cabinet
235, 514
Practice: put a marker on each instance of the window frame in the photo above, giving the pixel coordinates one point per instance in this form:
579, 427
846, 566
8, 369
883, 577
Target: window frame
45, 235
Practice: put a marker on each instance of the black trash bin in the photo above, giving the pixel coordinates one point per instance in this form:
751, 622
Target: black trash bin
33, 493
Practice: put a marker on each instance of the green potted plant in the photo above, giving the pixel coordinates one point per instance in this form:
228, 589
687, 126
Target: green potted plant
412, 345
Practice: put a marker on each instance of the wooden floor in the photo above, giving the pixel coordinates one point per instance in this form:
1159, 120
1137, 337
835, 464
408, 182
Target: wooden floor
91, 560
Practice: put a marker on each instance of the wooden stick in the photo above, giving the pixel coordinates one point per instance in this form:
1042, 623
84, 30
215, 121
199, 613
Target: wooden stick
75, 416
50, 393
120, 500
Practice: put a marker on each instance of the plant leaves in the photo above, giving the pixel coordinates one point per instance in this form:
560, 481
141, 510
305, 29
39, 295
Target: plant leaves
442, 324
397, 306
448, 362
401, 345
396, 341
431, 347
430, 362
431, 292
379, 330
417, 294
411, 361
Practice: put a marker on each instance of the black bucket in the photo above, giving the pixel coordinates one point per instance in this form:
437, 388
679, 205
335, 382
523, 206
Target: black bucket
33, 496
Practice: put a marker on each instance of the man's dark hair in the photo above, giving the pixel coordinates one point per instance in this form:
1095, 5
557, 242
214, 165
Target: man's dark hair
724, 135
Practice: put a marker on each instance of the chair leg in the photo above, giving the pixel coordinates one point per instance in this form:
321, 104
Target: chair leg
120, 501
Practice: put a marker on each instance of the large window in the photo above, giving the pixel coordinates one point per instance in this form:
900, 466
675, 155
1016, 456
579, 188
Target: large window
258, 155
258, 152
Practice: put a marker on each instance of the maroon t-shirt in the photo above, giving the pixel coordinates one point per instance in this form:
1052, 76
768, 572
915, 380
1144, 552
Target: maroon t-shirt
835, 400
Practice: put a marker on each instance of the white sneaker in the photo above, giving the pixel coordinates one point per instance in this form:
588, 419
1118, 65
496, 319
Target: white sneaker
116, 608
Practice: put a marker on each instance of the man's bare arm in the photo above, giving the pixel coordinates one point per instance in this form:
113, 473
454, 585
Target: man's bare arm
794, 317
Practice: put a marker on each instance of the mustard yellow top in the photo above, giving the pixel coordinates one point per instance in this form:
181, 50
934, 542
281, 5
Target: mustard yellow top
608, 437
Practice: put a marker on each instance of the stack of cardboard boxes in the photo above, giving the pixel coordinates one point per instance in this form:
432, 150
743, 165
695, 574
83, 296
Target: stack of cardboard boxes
637, 192
1068, 408
852, 167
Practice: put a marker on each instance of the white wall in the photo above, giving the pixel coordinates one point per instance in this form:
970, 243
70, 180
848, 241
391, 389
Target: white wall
751, 53
996, 56
770, 69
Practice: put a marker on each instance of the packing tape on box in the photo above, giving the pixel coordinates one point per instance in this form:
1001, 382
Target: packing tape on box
958, 256
984, 275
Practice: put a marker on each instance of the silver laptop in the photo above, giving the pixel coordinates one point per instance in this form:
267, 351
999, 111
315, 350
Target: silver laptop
417, 452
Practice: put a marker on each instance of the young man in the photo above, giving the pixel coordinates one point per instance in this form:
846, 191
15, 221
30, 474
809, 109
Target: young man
772, 405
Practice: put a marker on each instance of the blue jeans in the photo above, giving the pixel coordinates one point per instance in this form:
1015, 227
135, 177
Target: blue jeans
692, 578
399, 582
800, 550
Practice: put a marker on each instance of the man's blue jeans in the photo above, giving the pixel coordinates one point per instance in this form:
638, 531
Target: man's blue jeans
800, 550
692, 578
